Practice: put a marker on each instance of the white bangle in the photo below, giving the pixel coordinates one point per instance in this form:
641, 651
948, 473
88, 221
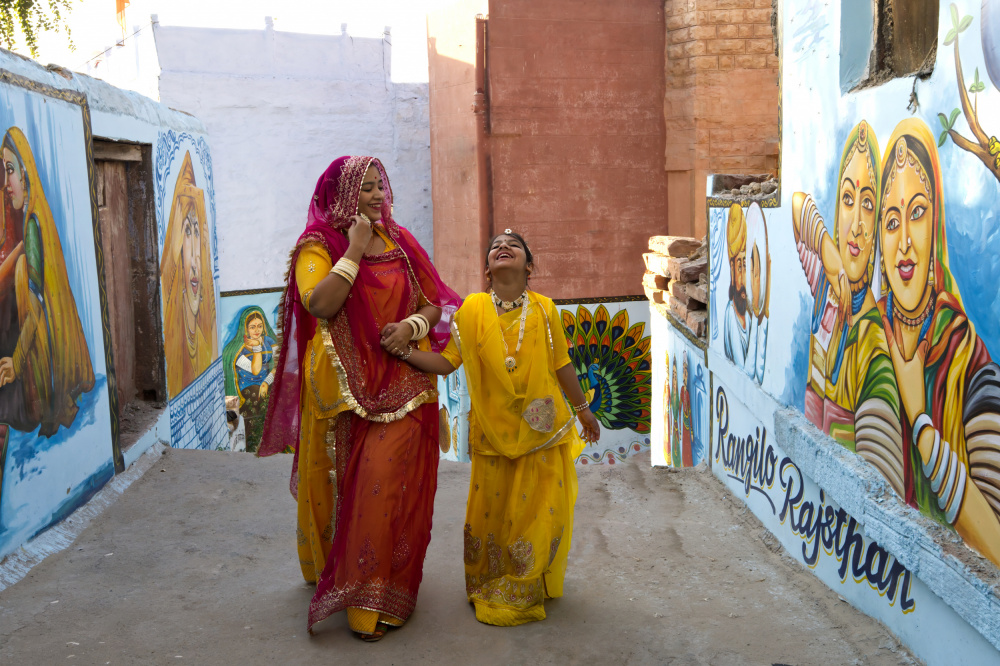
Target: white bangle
421, 326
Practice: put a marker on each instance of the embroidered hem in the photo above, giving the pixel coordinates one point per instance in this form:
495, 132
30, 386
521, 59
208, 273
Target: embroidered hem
375, 595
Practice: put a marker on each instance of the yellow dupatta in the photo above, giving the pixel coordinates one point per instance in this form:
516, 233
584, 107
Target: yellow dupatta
513, 422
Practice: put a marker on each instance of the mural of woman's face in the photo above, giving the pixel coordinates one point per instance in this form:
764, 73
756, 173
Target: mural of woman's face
13, 178
191, 260
255, 328
372, 195
907, 233
856, 217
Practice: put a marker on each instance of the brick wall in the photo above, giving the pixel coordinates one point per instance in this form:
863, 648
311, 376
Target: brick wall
451, 43
575, 94
721, 100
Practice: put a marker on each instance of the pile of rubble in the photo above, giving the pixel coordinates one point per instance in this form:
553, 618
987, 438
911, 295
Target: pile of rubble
676, 277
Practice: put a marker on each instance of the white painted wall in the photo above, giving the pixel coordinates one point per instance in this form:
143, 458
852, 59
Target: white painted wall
279, 107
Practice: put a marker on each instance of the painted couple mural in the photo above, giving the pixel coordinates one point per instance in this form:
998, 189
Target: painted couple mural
896, 370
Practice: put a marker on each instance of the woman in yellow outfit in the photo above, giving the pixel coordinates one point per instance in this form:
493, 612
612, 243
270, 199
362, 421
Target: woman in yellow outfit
519, 517
363, 423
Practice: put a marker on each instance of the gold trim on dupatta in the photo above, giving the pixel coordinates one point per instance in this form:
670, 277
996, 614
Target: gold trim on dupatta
423, 398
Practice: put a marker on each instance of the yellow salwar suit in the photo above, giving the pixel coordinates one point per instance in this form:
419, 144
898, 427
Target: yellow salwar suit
523, 443
322, 405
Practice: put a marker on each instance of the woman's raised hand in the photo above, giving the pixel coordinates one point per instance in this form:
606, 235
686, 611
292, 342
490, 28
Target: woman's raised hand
360, 232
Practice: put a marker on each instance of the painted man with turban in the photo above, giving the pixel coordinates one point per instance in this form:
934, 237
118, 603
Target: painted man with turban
745, 327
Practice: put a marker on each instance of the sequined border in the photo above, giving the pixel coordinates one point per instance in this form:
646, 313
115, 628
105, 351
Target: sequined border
379, 596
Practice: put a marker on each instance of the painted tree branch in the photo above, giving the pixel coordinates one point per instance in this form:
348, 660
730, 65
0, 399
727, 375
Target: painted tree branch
982, 148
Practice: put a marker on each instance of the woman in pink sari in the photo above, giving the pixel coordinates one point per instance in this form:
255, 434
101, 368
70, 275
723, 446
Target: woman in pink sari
362, 422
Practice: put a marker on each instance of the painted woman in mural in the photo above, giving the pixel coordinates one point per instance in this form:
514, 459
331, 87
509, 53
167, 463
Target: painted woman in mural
248, 362
45, 364
699, 414
364, 424
675, 415
685, 416
850, 388
948, 384
189, 329
746, 313
667, 446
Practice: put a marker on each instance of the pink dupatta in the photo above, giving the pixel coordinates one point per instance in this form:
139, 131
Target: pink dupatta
376, 385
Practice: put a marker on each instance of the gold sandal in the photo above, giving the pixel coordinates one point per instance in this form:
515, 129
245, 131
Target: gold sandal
373, 637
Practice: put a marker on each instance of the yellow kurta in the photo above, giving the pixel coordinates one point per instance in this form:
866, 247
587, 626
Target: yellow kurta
519, 517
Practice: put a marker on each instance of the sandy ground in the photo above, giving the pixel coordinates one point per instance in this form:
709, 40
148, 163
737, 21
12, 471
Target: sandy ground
196, 564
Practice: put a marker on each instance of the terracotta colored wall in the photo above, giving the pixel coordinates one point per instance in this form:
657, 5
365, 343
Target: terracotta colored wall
451, 43
576, 136
721, 102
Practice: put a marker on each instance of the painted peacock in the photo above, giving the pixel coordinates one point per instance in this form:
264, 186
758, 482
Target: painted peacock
612, 362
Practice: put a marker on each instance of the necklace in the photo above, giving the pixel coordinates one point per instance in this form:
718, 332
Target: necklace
509, 305
509, 361
924, 320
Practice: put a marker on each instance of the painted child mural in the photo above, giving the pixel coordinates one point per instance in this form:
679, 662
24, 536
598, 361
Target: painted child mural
851, 391
746, 315
189, 327
248, 363
45, 364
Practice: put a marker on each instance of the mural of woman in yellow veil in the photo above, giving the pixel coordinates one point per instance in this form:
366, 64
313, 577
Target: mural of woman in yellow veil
49, 366
948, 381
189, 329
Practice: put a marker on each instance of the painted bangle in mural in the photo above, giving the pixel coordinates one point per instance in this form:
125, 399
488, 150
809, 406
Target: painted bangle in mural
257, 349
270, 378
932, 461
923, 421
953, 505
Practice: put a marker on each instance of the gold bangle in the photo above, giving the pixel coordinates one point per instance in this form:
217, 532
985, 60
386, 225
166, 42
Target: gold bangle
582, 406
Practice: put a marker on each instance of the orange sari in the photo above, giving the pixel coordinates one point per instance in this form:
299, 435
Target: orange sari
366, 488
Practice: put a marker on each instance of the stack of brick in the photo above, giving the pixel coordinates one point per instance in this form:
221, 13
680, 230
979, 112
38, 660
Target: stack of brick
676, 278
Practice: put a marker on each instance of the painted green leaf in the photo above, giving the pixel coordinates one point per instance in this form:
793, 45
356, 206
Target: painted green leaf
954, 16
950, 37
979, 87
951, 120
964, 24
944, 120
942, 138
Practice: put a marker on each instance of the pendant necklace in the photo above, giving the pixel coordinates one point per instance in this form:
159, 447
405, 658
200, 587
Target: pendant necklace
509, 361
